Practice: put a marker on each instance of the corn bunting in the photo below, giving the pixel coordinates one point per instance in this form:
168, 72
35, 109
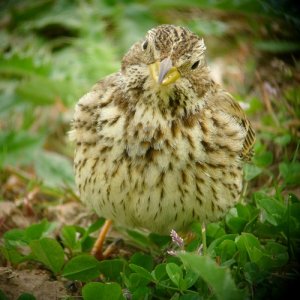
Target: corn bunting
160, 144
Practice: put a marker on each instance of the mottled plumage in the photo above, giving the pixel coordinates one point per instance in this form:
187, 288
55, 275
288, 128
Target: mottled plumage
160, 144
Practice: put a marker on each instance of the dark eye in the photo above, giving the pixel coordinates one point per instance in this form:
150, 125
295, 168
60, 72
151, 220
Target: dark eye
195, 65
145, 45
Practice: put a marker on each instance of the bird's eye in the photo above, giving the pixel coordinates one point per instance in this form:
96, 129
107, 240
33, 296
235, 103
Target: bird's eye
195, 65
145, 45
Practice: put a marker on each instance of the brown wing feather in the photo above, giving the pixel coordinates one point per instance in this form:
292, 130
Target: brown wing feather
228, 104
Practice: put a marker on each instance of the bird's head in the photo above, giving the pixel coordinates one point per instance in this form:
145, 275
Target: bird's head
169, 58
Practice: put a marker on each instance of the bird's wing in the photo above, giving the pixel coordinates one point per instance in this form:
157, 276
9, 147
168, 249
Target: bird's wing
84, 123
231, 107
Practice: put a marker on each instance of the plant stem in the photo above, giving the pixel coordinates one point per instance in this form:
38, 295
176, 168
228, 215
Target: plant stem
203, 230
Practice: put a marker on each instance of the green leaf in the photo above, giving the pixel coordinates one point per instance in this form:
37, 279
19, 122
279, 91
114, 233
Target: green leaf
277, 46
255, 106
83, 267
14, 237
142, 292
283, 140
139, 238
142, 260
44, 91
18, 148
69, 237
208, 27
96, 225
9, 102
49, 252
246, 211
141, 271
3, 296
213, 232
245, 6
293, 217
12, 254
251, 171
226, 250
247, 243
36, 231
111, 269
190, 279
26, 296
272, 256
234, 222
21, 66
278, 254
241, 217
290, 172
102, 291
253, 274
175, 273
190, 297
274, 210
292, 94
136, 280
160, 240
87, 243
218, 278
55, 169
264, 159
218, 241
159, 273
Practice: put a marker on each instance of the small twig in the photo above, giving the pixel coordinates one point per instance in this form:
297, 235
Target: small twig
27, 177
203, 231
27, 201
244, 192
296, 152
20, 173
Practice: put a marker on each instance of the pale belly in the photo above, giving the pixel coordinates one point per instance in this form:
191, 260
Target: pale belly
159, 194
158, 174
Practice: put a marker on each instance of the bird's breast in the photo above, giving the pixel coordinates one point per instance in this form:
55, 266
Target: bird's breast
158, 173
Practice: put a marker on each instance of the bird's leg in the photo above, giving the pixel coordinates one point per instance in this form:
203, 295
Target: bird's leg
203, 231
97, 248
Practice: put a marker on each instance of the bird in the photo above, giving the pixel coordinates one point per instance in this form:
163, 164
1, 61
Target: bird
159, 144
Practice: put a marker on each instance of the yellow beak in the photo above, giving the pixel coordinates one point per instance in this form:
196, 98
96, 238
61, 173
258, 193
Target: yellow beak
163, 72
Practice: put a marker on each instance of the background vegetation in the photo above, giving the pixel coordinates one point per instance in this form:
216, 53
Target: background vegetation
51, 53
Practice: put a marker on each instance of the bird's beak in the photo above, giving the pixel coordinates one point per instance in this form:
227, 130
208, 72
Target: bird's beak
163, 72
